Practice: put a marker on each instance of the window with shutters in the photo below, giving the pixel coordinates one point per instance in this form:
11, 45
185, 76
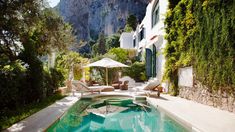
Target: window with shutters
155, 14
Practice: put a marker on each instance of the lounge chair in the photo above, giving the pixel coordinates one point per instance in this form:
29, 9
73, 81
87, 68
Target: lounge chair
151, 89
117, 84
124, 86
83, 88
155, 92
131, 83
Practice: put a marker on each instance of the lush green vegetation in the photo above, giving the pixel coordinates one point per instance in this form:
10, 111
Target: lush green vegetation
112, 41
125, 56
29, 31
104, 44
136, 71
108, 46
12, 116
30, 34
70, 61
201, 33
131, 23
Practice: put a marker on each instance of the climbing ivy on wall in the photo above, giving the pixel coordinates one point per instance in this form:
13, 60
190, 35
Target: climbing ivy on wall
201, 33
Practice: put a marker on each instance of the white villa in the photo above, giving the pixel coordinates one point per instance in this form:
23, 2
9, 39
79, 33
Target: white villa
126, 40
148, 39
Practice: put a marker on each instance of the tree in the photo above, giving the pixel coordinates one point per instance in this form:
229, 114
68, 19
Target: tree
16, 19
112, 41
131, 22
71, 62
29, 30
53, 33
101, 44
121, 55
128, 28
21, 21
50, 33
94, 51
136, 71
24, 22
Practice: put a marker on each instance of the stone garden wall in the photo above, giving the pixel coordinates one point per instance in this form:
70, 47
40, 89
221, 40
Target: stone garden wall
201, 94
192, 89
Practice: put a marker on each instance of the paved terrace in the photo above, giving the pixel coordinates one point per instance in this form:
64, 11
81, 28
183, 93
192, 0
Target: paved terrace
200, 117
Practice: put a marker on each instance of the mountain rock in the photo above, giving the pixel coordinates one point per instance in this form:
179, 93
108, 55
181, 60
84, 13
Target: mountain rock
90, 17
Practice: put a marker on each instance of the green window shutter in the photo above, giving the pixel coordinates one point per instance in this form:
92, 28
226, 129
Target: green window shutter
148, 62
154, 61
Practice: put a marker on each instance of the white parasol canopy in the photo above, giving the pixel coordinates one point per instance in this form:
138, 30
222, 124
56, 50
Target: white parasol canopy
107, 63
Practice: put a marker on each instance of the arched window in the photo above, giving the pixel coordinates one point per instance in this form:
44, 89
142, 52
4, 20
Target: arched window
155, 13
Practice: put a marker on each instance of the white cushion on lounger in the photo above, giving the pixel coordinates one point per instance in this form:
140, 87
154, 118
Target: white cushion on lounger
152, 84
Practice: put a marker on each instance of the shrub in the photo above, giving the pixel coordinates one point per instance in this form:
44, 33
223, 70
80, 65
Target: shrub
68, 61
16, 87
112, 41
121, 55
12, 86
52, 80
136, 71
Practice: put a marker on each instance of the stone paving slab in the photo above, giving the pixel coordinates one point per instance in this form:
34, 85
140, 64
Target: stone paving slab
201, 117
43, 119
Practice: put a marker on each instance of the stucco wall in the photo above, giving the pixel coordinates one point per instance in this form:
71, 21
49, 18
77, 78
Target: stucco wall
154, 35
126, 40
185, 77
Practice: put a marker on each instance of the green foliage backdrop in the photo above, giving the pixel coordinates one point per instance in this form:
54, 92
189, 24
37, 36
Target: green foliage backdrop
202, 33
28, 31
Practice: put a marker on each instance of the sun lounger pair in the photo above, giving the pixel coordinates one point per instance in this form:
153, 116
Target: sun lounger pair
83, 88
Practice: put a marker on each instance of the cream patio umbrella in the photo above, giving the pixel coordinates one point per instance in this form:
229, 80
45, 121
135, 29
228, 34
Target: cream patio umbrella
107, 63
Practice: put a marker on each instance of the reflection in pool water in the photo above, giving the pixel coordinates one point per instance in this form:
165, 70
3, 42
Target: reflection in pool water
114, 115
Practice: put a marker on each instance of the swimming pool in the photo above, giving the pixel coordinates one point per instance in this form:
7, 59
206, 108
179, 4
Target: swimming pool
115, 114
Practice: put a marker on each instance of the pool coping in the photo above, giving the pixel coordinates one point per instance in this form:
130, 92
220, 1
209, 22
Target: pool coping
189, 126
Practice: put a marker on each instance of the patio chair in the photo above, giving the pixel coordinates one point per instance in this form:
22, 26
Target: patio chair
117, 84
92, 83
124, 86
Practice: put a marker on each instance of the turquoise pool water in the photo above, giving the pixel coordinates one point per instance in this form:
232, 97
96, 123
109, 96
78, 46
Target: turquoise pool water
114, 115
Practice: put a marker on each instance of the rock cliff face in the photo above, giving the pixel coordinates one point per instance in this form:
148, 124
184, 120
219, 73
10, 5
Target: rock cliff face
90, 17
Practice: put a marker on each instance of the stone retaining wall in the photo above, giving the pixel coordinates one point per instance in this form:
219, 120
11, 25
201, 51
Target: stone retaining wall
201, 94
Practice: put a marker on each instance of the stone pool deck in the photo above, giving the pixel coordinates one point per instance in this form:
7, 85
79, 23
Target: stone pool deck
198, 116
201, 117
41, 120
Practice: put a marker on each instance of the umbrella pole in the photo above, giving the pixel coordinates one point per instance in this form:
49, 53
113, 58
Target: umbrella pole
107, 76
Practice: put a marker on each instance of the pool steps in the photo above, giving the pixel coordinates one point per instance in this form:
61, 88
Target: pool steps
135, 97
